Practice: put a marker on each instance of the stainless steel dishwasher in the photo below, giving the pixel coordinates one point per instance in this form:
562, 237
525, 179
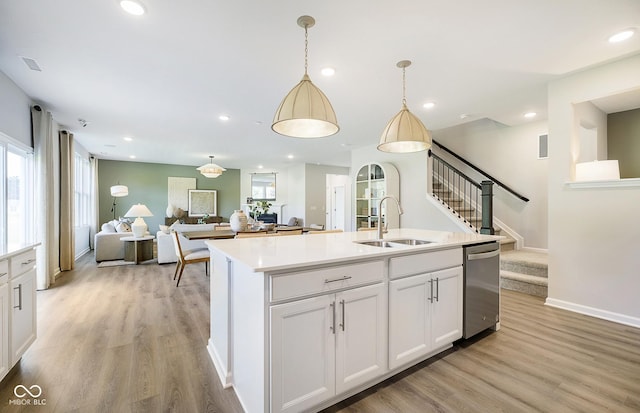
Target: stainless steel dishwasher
481, 288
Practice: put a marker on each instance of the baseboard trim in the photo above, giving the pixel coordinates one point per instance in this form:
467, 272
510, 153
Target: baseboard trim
594, 312
533, 249
225, 376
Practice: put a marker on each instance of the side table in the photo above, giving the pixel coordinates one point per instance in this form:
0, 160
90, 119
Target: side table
138, 249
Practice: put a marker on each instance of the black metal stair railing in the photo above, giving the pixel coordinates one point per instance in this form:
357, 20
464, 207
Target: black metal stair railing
470, 200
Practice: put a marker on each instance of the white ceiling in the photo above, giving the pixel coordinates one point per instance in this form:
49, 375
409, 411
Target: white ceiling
165, 77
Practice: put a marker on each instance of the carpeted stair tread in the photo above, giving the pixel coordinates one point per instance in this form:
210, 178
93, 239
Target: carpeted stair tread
531, 279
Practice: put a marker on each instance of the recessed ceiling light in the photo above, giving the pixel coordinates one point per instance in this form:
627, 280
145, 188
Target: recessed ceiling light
530, 115
290, 156
621, 36
260, 166
128, 138
429, 105
132, 7
224, 117
31, 64
464, 116
328, 71
132, 157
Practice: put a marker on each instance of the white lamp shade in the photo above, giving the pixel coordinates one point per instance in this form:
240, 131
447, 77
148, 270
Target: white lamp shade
138, 210
405, 133
597, 170
211, 170
305, 113
119, 191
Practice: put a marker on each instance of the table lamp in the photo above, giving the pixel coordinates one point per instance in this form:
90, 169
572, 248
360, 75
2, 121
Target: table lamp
139, 227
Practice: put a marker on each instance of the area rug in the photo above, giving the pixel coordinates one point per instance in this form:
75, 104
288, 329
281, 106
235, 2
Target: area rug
117, 263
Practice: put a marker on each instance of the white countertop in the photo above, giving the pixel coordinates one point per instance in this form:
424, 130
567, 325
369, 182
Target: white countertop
279, 253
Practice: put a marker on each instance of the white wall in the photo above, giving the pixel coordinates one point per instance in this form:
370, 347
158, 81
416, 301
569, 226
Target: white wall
593, 233
509, 154
412, 170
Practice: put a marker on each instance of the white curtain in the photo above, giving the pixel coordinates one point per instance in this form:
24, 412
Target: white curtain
43, 135
93, 167
67, 187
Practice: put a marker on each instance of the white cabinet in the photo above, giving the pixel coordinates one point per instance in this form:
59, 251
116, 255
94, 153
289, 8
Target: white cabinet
373, 182
4, 330
326, 345
17, 306
23, 313
425, 313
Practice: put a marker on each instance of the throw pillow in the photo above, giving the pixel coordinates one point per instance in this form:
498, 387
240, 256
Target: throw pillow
123, 227
108, 227
293, 221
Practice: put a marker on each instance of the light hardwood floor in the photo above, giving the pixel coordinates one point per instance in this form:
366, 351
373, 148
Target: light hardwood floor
125, 339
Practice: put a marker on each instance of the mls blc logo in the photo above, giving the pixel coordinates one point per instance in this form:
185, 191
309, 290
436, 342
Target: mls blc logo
27, 396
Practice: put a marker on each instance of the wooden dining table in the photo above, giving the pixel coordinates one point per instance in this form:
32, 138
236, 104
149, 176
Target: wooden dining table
216, 234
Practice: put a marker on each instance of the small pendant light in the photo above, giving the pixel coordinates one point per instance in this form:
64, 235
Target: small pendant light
405, 132
305, 112
211, 170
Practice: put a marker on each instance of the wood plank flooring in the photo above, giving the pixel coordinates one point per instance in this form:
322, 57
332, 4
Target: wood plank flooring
125, 339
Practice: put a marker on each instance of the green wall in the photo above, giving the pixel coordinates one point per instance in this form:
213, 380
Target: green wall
147, 184
623, 141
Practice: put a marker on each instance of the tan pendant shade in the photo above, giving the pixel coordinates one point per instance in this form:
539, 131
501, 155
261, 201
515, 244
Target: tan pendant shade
405, 132
305, 112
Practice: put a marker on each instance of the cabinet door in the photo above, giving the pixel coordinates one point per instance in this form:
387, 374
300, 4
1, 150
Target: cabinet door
4, 330
361, 325
409, 319
23, 313
446, 321
302, 353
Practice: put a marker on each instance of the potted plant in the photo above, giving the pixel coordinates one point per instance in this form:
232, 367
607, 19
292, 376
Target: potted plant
259, 208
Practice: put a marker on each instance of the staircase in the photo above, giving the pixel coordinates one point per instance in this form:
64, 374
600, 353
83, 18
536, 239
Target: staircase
519, 271
524, 271
463, 210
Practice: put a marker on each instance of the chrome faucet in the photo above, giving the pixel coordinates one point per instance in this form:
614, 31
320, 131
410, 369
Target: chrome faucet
382, 231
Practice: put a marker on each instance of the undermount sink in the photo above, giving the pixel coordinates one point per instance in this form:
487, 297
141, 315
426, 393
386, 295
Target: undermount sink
410, 241
391, 243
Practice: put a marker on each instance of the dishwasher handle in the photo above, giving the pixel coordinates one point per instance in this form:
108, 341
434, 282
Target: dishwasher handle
483, 255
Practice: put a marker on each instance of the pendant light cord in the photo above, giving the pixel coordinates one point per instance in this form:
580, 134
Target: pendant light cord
404, 87
306, 49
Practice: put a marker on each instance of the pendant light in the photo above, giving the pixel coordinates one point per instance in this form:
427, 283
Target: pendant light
211, 170
405, 132
305, 112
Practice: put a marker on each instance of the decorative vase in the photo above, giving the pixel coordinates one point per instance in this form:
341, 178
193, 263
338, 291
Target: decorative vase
238, 221
170, 210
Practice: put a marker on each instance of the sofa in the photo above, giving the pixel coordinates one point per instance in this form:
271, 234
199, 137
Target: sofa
106, 243
166, 249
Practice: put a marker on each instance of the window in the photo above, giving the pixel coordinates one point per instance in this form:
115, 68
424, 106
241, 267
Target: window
16, 198
82, 191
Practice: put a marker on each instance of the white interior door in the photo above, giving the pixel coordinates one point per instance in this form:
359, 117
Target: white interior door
338, 208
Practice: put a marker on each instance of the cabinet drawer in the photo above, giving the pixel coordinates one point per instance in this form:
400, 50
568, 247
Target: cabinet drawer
304, 283
423, 263
4, 271
23, 262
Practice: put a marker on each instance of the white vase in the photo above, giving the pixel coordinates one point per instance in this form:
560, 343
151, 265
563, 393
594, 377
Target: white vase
238, 221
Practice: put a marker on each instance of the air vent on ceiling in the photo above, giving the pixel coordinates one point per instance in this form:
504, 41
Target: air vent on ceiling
32, 64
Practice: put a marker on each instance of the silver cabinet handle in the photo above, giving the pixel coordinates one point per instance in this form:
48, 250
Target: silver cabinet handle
29, 261
333, 317
437, 289
19, 288
342, 324
431, 291
346, 277
483, 255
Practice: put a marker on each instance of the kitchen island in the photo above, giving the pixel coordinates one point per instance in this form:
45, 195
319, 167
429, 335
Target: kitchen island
299, 323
